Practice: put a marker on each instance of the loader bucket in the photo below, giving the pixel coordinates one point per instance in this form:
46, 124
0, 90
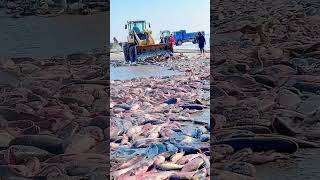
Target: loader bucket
147, 51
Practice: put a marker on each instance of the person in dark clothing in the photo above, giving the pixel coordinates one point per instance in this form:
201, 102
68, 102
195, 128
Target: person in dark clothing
162, 40
136, 29
202, 41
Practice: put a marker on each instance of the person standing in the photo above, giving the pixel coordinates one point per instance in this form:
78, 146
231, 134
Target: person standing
162, 40
171, 42
202, 42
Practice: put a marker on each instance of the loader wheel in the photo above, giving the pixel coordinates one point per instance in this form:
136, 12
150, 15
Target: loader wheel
126, 52
133, 53
179, 43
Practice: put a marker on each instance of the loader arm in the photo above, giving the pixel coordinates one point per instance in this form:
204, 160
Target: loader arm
148, 41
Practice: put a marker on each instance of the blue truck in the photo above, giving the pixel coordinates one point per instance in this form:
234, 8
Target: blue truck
181, 36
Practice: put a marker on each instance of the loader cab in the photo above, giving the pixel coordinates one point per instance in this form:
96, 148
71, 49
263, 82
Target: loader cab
139, 27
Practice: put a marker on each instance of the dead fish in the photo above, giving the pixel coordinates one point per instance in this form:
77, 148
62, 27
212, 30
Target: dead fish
134, 131
159, 160
22, 124
204, 137
51, 169
79, 143
174, 158
188, 140
187, 158
171, 101
126, 164
135, 107
143, 143
146, 128
31, 130
188, 149
193, 165
16, 154
155, 149
114, 146
93, 131
125, 139
192, 106
165, 132
120, 172
136, 176
154, 132
139, 168
68, 130
165, 154
5, 139
102, 147
45, 142
159, 175
201, 174
183, 175
171, 148
220, 174
206, 160
169, 166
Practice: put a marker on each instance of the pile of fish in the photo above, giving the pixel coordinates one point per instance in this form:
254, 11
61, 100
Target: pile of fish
264, 83
54, 117
155, 129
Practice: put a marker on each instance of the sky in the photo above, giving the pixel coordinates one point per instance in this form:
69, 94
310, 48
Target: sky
173, 15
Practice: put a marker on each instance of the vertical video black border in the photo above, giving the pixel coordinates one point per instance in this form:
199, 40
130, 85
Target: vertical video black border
107, 133
211, 84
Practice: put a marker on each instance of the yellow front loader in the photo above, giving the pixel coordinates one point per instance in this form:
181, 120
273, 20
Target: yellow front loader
140, 43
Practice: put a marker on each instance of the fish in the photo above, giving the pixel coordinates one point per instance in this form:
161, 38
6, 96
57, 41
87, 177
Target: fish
193, 165
134, 131
165, 132
174, 158
187, 158
132, 169
146, 128
172, 148
153, 150
126, 164
141, 168
189, 140
159, 160
192, 106
258, 144
125, 140
171, 101
206, 160
144, 143
201, 174
158, 175
154, 133
168, 166
135, 107
188, 149
182, 175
